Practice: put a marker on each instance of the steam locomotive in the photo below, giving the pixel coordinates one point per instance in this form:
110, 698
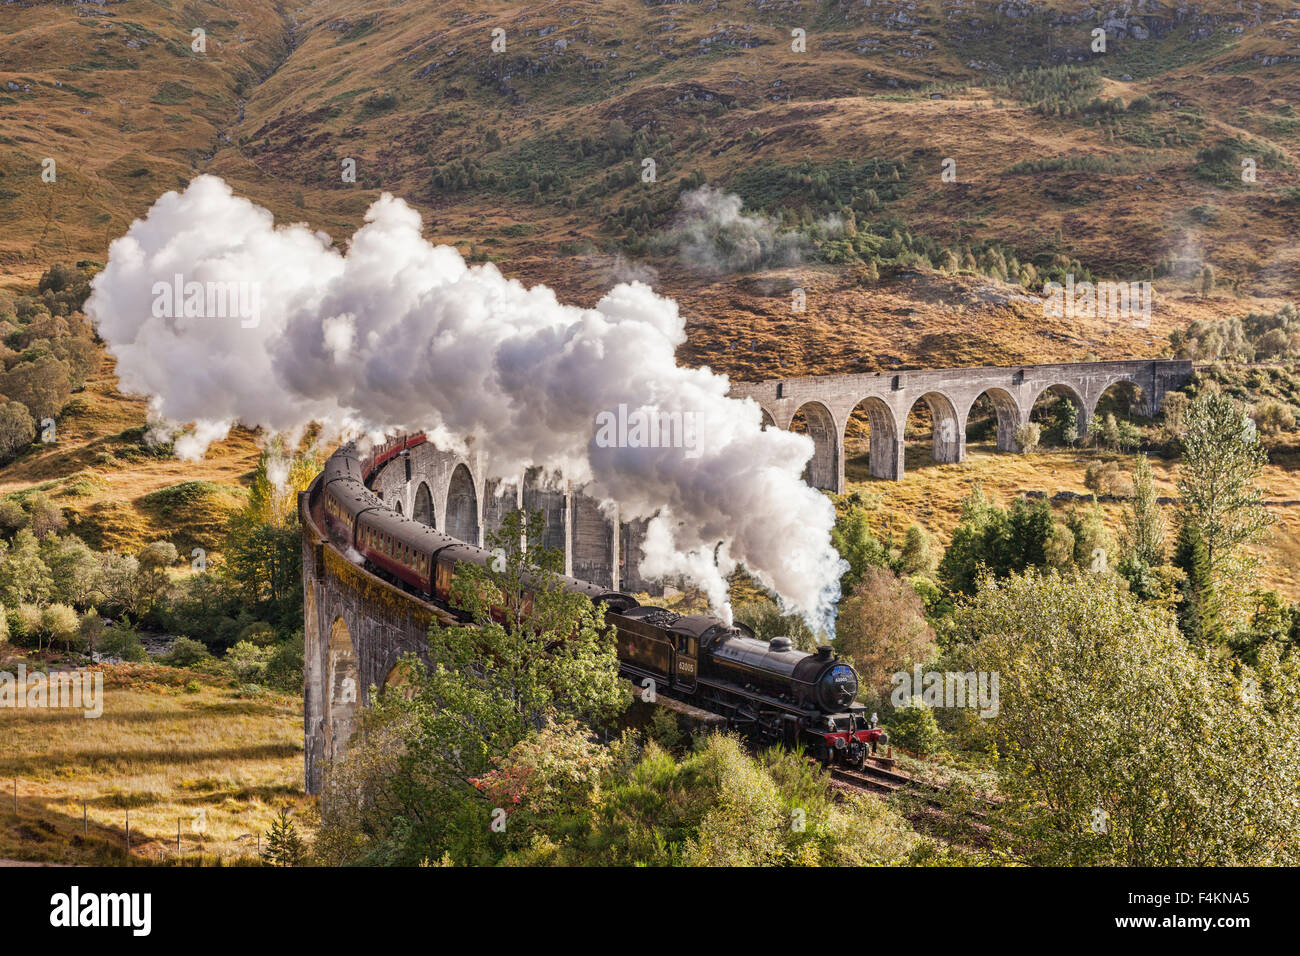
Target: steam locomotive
766, 690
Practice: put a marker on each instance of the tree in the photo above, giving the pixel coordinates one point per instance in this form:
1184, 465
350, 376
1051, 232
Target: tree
74, 570
1220, 505
883, 630
118, 580
914, 728
152, 578
1067, 421
283, 845
1144, 524
42, 385
765, 619
92, 629
60, 623
46, 517
977, 541
1207, 280
1119, 744
263, 547
24, 577
16, 429
916, 556
855, 543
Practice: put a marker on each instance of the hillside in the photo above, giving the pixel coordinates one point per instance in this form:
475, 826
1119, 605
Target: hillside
532, 156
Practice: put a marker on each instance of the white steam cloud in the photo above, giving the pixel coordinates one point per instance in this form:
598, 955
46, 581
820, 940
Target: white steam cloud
400, 334
711, 232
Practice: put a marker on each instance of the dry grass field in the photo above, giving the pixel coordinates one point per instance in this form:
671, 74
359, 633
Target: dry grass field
161, 752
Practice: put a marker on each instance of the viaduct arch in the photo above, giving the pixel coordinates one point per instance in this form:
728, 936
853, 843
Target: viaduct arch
827, 401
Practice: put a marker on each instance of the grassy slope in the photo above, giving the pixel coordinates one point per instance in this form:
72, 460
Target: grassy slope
158, 752
117, 496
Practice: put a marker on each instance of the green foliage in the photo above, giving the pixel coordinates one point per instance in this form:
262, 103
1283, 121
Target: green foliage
915, 556
185, 652
1066, 90
17, 429
914, 728
121, 640
855, 543
717, 806
60, 624
997, 541
764, 617
24, 577
1258, 336
552, 662
1220, 513
1118, 743
284, 847
1144, 524
249, 662
284, 670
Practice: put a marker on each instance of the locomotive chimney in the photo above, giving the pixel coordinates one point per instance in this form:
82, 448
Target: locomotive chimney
824, 652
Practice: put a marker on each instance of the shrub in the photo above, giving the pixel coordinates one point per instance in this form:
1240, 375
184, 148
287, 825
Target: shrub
1273, 417
25, 624
123, 642
59, 623
185, 652
914, 728
284, 669
248, 662
765, 619
1028, 436
1105, 478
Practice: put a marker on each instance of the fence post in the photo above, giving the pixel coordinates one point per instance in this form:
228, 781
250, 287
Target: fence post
85, 825
15, 794
178, 834
128, 831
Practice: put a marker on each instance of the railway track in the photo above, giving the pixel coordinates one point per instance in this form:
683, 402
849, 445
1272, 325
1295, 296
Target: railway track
873, 778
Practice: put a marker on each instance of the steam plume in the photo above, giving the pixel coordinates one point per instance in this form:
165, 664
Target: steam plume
400, 334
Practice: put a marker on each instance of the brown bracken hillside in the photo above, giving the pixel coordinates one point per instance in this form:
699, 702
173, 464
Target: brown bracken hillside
1125, 162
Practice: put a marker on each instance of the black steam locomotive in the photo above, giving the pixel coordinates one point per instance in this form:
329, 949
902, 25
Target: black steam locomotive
766, 690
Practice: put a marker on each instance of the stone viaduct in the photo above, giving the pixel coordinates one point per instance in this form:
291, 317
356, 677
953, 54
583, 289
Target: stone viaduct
827, 402
357, 626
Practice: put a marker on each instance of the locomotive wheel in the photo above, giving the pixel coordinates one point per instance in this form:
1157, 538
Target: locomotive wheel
860, 761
